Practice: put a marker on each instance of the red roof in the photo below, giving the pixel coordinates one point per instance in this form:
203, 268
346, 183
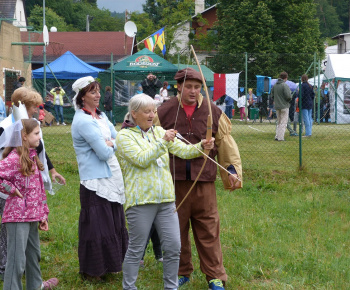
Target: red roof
91, 47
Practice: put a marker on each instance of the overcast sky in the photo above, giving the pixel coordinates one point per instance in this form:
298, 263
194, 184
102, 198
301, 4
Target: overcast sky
121, 5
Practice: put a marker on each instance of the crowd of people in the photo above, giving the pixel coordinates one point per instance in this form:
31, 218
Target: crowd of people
140, 175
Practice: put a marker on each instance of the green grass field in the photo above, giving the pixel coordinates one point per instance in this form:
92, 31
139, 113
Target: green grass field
286, 229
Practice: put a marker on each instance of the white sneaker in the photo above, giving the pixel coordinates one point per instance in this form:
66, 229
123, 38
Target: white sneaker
64, 124
57, 123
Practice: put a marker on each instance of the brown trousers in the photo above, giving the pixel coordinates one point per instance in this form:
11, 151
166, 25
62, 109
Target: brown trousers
200, 209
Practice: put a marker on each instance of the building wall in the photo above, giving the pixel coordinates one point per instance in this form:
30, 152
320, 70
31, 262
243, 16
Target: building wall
211, 18
11, 58
344, 44
20, 16
181, 36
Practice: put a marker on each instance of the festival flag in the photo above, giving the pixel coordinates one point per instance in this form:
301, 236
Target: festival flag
156, 38
150, 42
226, 84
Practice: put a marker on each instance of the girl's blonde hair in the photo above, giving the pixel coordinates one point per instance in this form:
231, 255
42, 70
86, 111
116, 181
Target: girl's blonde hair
29, 97
27, 164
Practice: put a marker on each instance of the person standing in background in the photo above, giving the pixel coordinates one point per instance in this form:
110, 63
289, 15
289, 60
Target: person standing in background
163, 92
281, 96
19, 83
150, 85
307, 101
241, 103
108, 103
58, 94
229, 106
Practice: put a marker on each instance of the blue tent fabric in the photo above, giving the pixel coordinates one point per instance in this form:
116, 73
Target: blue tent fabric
67, 67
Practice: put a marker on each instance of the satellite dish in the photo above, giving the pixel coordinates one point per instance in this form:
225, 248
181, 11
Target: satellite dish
46, 35
130, 29
53, 29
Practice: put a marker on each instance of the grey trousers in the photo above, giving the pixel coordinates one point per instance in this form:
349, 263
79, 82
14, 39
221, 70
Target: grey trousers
23, 254
140, 219
3, 240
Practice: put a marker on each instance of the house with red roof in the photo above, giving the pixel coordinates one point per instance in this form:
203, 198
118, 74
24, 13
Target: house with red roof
95, 47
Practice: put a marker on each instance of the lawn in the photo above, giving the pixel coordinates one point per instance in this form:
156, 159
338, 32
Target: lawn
287, 228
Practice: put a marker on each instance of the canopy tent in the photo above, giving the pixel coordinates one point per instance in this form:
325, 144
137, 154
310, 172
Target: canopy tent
337, 76
314, 81
67, 67
66, 70
129, 73
140, 64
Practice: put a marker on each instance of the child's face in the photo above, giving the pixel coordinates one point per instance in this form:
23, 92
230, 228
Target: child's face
33, 138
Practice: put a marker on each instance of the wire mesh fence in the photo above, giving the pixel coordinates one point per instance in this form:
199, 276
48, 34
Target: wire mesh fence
252, 113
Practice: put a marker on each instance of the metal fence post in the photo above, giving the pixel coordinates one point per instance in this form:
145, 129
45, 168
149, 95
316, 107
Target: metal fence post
319, 93
246, 82
300, 127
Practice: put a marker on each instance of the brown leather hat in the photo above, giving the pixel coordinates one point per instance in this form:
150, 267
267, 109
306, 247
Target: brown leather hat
188, 74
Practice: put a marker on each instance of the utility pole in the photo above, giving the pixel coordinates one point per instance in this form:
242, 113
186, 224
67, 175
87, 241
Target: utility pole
88, 19
125, 37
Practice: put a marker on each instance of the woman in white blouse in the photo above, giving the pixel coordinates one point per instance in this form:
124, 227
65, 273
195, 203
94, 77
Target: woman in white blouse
103, 237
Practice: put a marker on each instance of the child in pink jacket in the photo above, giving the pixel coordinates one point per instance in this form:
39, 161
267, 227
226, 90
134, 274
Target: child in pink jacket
25, 210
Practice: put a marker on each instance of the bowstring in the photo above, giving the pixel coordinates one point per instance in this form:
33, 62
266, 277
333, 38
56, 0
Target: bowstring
178, 109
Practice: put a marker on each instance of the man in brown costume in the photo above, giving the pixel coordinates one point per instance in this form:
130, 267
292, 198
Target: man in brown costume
189, 118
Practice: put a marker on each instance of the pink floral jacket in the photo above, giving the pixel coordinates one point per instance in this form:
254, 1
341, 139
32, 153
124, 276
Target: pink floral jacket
33, 206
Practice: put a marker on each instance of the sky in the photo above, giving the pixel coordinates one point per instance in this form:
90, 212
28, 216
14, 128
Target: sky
121, 5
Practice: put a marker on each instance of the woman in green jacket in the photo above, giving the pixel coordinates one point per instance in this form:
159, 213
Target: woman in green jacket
143, 152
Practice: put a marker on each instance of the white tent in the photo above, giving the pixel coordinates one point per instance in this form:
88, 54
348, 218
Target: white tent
337, 75
314, 81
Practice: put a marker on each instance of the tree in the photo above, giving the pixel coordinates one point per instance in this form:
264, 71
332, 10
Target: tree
74, 14
209, 3
269, 31
51, 19
102, 19
343, 10
330, 24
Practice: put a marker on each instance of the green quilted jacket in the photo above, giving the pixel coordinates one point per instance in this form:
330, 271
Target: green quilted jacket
144, 160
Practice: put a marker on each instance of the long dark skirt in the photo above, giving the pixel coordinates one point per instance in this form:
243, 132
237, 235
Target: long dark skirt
103, 237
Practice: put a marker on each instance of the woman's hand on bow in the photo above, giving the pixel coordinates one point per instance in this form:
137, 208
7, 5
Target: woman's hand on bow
170, 135
208, 145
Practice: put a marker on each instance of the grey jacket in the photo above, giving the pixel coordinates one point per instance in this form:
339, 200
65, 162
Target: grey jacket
281, 95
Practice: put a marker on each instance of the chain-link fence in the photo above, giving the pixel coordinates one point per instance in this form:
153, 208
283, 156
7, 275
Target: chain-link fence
254, 124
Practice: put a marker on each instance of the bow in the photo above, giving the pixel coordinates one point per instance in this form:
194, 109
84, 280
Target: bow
209, 128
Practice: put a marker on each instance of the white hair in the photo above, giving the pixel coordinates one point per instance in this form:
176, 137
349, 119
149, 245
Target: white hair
137, 103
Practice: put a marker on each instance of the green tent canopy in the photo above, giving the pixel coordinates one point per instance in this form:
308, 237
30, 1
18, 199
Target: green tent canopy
130, 72
140, 64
